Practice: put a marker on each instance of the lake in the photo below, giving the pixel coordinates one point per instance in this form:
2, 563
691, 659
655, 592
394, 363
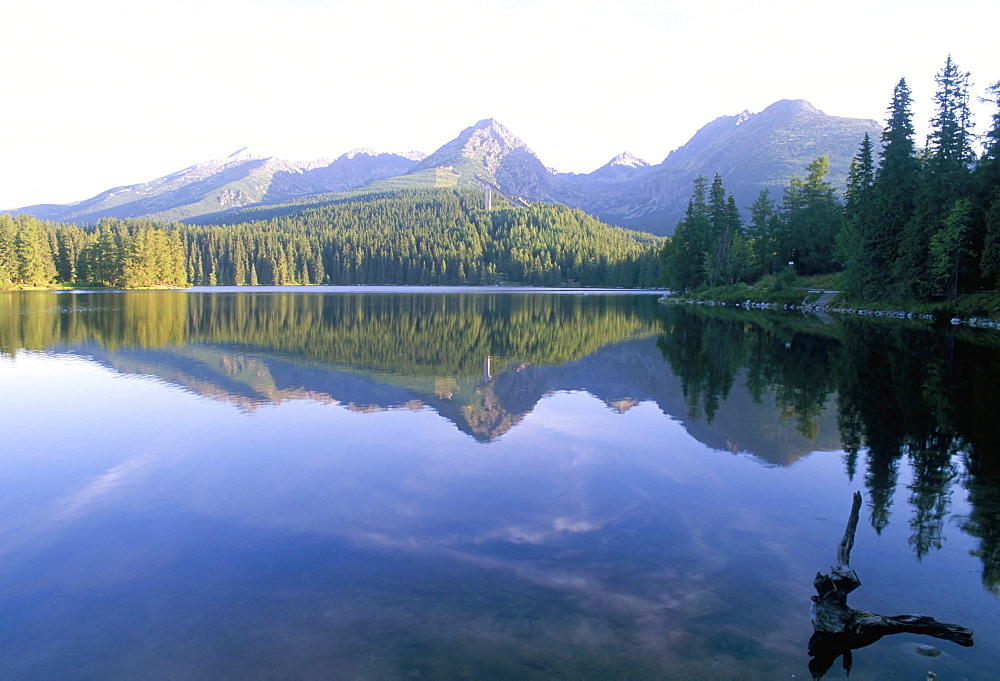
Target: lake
388, 483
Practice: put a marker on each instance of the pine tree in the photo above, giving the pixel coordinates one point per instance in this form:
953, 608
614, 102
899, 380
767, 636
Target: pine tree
32, 260
947, 248
683, 255
725, 226
764, 233
987, 183
7, 265
854, 243
813, 218
175, 271
69, 243
951, 137
860, 176
944, 180
892, 196
104, 254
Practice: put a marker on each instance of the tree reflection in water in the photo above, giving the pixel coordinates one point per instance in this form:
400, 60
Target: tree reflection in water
903, 391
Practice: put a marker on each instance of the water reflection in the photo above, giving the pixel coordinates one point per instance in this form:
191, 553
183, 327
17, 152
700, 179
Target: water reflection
647, 507
483, 361
839, 629
775, 386
902, 391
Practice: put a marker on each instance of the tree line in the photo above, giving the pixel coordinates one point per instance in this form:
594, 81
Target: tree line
914, 224
402, 237
713, 246
114, 253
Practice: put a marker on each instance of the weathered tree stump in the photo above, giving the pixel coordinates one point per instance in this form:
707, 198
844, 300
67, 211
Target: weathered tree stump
839, 629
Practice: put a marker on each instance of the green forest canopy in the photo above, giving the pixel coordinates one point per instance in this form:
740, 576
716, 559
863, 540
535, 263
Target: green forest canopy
440, 236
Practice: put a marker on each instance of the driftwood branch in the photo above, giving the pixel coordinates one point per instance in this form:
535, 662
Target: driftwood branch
839, 629
847, 541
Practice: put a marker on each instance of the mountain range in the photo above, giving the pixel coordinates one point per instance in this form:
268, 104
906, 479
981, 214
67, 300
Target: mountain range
750, 151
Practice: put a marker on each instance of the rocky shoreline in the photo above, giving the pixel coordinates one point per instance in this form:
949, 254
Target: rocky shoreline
817, 308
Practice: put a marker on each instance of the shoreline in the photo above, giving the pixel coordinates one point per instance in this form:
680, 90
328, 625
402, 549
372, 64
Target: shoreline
813, 308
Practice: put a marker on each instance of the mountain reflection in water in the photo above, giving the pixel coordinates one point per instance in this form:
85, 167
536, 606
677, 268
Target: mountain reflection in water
482, 361
911, 409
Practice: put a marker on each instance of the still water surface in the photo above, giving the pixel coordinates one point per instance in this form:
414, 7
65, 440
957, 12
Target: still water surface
370, 484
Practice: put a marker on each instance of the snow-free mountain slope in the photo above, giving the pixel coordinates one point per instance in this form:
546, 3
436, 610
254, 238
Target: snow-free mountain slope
750, 151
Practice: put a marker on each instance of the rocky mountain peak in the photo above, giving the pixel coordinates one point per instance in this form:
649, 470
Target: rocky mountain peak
791, 107
363, 151
492, 141
628, 160
244, 154
486, 143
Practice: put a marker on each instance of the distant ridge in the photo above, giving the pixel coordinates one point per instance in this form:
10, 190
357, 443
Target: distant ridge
240, 179
750, 151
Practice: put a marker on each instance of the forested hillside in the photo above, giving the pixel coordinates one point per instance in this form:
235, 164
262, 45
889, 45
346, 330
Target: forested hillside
914, 226
406, 237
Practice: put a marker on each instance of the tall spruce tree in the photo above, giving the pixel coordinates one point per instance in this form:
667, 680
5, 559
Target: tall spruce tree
944, 180
860, 176
987, 183
892, 195
951, 137
764, 234
683, 255
853, 242
740, 261
725, 221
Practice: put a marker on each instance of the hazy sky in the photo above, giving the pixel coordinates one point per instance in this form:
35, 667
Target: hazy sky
105, 93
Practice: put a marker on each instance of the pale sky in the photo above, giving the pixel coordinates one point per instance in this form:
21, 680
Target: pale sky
112, 92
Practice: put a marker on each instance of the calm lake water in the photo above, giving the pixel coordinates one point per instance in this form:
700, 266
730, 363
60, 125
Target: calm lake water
386, 484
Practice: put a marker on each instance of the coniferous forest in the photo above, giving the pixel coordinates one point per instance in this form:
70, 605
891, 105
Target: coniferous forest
914, 224
403, 237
